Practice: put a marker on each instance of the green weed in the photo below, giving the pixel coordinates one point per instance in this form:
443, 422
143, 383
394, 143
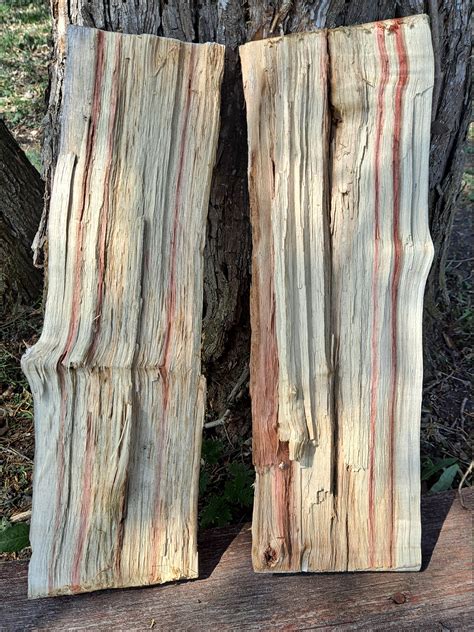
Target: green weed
25, 52
439, 474
226, 490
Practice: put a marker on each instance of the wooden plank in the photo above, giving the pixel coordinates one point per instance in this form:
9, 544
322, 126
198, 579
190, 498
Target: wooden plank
341, 255
229, 596
119, 396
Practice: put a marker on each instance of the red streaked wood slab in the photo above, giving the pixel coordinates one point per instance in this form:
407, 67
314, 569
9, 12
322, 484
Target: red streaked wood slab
119, 396
229, 596
339, 128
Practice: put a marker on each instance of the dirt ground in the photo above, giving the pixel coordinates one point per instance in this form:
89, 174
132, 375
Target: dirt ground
447, 412
447, 407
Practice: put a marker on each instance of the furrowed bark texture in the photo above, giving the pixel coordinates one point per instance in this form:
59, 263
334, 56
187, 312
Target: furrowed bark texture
341, 256
232, 22
21, 203
119, 396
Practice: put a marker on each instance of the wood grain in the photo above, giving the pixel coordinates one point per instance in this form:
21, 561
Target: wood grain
339, 125
116, 379
230, 596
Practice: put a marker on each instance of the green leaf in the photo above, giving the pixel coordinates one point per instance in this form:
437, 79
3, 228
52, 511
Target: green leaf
217, 512
211, 451
238, 490
429, 468
203, 481
446, 479
14, 538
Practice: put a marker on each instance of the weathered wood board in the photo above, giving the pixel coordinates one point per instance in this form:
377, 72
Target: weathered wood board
116, 379
229, 596
339, 128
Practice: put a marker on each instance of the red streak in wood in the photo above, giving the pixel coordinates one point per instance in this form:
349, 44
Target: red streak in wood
264, 351
76, 297
61, 473
73, 322
264, 381
384, 69
106, 201
86, 506
171, 295
396, 168
170, 303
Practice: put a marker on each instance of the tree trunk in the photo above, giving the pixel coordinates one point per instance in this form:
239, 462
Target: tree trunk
116, 375
21, 203
341, 255
226, 285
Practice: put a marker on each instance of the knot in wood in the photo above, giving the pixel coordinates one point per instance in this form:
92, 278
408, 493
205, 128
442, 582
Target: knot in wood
270, 556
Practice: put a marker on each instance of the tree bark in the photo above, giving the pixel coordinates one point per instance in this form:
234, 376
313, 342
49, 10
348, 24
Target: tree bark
21, 203
231, 22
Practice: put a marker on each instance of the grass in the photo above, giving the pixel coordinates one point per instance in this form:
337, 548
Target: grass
25, 52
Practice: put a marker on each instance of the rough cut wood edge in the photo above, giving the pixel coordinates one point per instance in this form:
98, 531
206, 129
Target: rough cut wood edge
116, 379
341, 255
230, 596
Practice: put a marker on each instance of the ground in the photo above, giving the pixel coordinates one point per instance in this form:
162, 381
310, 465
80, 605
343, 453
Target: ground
226, 477
447, 411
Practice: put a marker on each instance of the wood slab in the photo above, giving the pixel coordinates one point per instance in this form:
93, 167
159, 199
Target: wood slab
339, 133
230, 596
116, 375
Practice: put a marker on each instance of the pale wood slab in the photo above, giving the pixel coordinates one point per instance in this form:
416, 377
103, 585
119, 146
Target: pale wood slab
230, 596
116, 378
339, 128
